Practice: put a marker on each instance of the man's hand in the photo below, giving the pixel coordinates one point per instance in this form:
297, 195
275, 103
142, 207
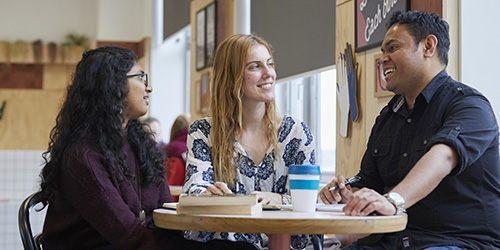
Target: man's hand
367, 201
337, 196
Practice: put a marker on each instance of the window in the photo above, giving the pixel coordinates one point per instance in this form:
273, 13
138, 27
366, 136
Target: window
312, 99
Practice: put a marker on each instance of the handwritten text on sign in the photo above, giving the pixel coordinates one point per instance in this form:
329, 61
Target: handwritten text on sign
371, 19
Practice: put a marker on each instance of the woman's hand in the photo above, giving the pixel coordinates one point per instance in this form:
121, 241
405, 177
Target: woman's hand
218, 188
337, 196
268, 198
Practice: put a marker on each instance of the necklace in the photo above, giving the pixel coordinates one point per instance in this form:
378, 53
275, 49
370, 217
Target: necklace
142, 214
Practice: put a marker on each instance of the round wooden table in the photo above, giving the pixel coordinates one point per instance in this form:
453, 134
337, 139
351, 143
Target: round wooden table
282, 223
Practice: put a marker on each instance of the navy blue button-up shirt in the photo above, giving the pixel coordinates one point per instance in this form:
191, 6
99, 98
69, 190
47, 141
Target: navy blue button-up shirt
464, 209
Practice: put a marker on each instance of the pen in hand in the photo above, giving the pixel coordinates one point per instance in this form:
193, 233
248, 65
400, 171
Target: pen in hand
350, 181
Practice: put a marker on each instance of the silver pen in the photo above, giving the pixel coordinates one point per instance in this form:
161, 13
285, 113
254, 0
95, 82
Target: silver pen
350, 181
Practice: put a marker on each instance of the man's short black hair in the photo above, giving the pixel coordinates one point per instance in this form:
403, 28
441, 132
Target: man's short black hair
420, 24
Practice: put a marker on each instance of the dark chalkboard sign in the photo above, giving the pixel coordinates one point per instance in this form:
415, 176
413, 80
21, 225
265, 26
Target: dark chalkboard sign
371, 19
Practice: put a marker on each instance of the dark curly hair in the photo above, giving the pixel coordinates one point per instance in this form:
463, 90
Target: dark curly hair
93, 113
420, 24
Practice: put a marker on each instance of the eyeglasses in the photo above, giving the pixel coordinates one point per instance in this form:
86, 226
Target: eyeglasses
143, 77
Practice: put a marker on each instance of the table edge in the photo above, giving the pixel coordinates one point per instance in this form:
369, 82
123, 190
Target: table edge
195, 222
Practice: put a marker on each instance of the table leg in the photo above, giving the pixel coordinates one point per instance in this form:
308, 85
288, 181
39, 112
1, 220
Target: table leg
279, 242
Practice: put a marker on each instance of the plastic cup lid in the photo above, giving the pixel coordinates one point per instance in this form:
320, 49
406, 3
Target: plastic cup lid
304, 169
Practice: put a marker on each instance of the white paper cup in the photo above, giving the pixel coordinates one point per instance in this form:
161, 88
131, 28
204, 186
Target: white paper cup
304, 185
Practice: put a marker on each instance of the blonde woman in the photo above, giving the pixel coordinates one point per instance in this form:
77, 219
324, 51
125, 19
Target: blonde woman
245, 146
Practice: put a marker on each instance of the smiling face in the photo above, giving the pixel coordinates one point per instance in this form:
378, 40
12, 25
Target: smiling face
402, 61
137, 100
259, 77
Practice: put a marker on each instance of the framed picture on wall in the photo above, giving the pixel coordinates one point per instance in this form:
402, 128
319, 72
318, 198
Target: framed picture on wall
200, 39
211, 12
380, 83
371, 18
203, 93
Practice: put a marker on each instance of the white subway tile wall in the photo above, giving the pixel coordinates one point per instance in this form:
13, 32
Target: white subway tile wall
19, 177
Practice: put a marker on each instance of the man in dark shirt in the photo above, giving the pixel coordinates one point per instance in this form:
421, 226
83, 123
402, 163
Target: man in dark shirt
434, 149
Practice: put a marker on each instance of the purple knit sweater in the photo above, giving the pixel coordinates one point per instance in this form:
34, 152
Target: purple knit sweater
98, 209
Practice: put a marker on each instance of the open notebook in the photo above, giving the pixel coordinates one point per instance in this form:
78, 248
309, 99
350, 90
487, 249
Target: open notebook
173, 206
321, 207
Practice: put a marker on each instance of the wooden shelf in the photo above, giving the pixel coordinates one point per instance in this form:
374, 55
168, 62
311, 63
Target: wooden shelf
25, 54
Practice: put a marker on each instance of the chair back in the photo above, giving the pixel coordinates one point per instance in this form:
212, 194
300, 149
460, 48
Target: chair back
29, 242
175, 170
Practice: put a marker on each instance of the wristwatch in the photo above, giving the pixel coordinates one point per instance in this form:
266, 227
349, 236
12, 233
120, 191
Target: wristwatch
286, 199
397, 200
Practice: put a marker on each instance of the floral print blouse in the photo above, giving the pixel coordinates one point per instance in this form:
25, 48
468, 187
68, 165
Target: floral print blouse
295, 146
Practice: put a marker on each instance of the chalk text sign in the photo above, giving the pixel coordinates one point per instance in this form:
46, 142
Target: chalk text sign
371, 19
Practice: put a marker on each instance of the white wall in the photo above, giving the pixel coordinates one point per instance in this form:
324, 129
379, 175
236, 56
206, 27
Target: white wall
170, 80
123, 20
19, 178
480, 50
49, 20
170, 67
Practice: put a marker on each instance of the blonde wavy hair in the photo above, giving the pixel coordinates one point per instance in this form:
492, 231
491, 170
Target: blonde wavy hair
226, 107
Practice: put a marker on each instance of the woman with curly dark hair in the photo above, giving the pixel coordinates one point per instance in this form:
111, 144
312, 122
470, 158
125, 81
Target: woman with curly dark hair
103, 174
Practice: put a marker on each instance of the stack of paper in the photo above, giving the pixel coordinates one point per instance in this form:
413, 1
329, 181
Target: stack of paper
219, 204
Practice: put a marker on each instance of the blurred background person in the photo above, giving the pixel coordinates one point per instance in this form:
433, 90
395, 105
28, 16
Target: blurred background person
178, 136
175, 164
153, 126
